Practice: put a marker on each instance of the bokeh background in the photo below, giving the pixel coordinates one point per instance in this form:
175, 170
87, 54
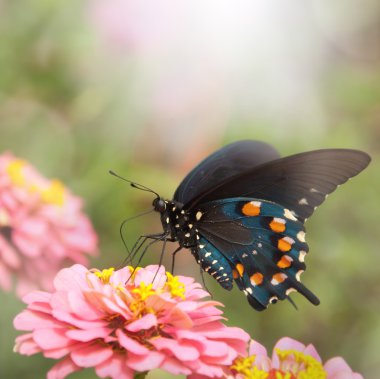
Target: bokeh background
148, 88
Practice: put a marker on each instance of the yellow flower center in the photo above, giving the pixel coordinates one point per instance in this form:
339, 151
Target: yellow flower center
105, 275
293, 365
176, 288
14, 170
144, 291
54, 194
302, 366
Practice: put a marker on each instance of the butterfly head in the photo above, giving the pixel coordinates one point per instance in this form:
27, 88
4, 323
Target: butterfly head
159, 205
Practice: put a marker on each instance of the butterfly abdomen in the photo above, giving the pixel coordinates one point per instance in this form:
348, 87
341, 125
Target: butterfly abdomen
214, 263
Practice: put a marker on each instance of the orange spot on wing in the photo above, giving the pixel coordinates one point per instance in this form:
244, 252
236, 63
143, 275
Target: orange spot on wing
257, 278
235, 274
285, 244
240, 269
277, 226
284, 262
279, 277
252, 208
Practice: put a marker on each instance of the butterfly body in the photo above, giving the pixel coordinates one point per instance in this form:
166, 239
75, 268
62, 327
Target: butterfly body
241, 212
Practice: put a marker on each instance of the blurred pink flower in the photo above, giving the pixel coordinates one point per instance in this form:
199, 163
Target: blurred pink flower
123, 322
42, 227
290, 360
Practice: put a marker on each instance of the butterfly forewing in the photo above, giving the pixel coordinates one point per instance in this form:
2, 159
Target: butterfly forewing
226, 162
299, 182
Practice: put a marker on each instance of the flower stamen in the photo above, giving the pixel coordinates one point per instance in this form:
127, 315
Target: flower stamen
105, 275
14, 170
176, 288
54, 194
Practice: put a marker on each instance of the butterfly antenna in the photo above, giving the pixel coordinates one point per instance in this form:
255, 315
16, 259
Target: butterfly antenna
124, 223
134, 184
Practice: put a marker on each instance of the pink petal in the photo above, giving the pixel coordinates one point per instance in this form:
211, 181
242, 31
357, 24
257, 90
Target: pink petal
174, 366
62, 369
91, 355
25, 345
29, 320
51, 338
256, 348
89, 334
37, 297
146, 322
287, 343
74, 321
81, 307
310, 350
178, 318
337, 368
146, 362
73, 278
215, 349
130, 344
115, 368
181, 350
26, 246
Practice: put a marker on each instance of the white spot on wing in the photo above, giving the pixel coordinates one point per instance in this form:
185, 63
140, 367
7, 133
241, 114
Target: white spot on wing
303, 201
313, 190
301, 257
289, 240
249, 290
301, 236
273, 299
207, 254
290, 290
214, 261
298, 275
289, 214
198, 215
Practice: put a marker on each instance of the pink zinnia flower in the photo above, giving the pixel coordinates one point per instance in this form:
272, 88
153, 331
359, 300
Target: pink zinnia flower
123, 322
290, 360
42, 227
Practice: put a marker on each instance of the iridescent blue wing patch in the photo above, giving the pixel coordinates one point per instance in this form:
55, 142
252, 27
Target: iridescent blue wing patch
263, 244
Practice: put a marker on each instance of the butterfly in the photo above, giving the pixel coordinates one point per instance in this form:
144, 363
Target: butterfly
242, 210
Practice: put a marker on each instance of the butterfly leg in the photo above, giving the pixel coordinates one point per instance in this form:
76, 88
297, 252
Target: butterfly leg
137, 246
161, 257
173, 257
146, 247
204, 283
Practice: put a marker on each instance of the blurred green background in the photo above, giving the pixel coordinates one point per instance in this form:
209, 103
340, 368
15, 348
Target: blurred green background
150, 88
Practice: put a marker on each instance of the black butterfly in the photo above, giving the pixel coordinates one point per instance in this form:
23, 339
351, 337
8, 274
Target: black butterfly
241, 213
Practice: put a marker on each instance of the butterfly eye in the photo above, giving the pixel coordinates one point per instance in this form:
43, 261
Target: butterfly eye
159, 205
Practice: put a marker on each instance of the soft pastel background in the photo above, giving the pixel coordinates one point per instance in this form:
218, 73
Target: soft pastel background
148, 88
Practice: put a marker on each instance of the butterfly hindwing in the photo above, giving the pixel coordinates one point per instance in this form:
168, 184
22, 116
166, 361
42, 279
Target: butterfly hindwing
266, 266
